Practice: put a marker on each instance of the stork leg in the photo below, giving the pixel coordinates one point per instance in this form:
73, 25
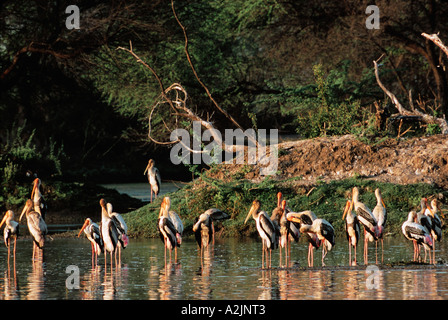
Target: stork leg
349, 253
434, 251
310, 255
324, 252
93, 253
376, 251
366, 248
14, 254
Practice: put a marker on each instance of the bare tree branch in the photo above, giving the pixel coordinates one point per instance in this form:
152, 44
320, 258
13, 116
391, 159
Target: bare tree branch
33, 47
403, 111
435, 38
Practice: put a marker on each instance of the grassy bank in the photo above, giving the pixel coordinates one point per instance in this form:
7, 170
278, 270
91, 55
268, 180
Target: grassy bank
327, 200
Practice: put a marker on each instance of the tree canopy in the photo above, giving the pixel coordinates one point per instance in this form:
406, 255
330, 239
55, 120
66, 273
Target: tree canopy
299, 66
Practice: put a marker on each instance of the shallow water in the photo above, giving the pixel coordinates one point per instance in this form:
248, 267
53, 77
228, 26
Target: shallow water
142, 190
231, 269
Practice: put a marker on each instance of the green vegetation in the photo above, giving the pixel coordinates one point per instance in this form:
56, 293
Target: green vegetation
327, 200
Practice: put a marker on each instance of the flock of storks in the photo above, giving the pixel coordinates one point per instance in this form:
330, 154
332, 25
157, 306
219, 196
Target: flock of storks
278, 230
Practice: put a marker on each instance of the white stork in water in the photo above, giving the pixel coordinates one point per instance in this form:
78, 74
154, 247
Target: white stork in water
39, 202
36, 226
417, 233
366, 218
203, 226
11, 231
109, 233
153, 177
266, 230
170, 227
122, 229
352, 230
93, 233
436, 223
321, 227
380, 214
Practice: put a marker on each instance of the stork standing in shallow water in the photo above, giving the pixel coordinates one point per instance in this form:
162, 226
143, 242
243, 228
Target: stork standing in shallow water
122, 230
11, 231
203, 226
170, 227
436, 223
93, 233
109, 233
352, 230
307, 217
380, 214
153, 177
322, 228
289, 231
266, 230
367, 219
36, 226
416, 233
40, 205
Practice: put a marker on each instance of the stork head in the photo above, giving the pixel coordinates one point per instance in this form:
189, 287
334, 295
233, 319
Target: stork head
283, 205
253, 209
293, 218
9, 214
279, 199
85, 225
103, 203
348, 208
26, 208
355, 194
149, 166
36, 186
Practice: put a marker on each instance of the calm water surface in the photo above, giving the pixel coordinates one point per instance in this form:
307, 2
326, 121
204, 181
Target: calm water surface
230, 270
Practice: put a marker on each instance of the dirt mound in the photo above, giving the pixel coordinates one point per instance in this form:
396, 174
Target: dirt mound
403, 161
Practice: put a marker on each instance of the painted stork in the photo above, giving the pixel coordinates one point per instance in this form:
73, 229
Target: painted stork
289, 231
153, 177
425, 221
40, 204
366, 218
417, 233
11, 231
93, 233
352, 230
278, 211
36, 225
436, 223
321, 227
203, 226
122, 230
170, 227
307, 217
380, 214
266, 230
109, 233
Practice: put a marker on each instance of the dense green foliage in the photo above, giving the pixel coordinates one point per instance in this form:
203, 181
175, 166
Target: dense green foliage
327, 200
75, 108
